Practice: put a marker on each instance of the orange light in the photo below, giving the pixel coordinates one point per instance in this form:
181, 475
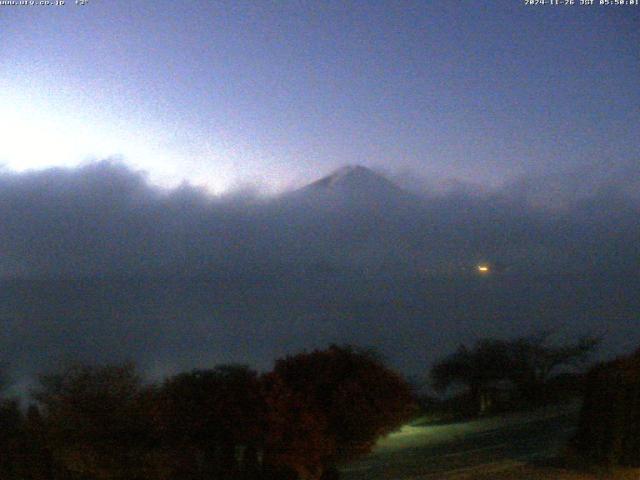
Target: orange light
483, 268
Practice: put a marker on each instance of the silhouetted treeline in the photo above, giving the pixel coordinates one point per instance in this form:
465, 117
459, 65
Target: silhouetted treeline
609, 429
312, 412
515, 373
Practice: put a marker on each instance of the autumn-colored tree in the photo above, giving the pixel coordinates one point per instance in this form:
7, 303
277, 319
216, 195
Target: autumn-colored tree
313, 411
297, 436
94, 425
347, 399
205, 416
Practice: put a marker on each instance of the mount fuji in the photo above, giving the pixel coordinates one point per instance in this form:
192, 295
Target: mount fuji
353, 186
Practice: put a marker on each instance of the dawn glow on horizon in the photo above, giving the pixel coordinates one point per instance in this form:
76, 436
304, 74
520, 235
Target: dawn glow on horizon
229, 94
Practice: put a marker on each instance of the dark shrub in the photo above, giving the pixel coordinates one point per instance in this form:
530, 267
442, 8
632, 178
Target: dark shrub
609, 429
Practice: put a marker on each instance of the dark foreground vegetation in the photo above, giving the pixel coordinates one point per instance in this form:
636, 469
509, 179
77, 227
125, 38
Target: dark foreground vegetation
609, 430
311, 413
496, 375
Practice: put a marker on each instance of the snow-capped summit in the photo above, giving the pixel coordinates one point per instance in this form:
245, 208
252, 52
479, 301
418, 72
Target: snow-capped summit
349, 189
353, 179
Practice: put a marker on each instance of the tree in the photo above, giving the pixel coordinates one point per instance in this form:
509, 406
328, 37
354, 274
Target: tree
527, 363
477, 369
37, 462
11, 439
534, 360
348, 399
297, 437
204, 416
94, 423
609, 427
22, 452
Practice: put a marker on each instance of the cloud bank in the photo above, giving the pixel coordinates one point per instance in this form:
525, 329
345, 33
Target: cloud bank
98, 265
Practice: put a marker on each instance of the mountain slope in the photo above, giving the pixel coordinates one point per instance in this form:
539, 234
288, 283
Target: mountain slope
353, 178
352, 186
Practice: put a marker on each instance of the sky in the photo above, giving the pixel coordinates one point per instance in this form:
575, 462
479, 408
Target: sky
274, 94
137, 141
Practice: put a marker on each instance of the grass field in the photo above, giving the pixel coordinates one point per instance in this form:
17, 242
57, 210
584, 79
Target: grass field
532, 472
514, 446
